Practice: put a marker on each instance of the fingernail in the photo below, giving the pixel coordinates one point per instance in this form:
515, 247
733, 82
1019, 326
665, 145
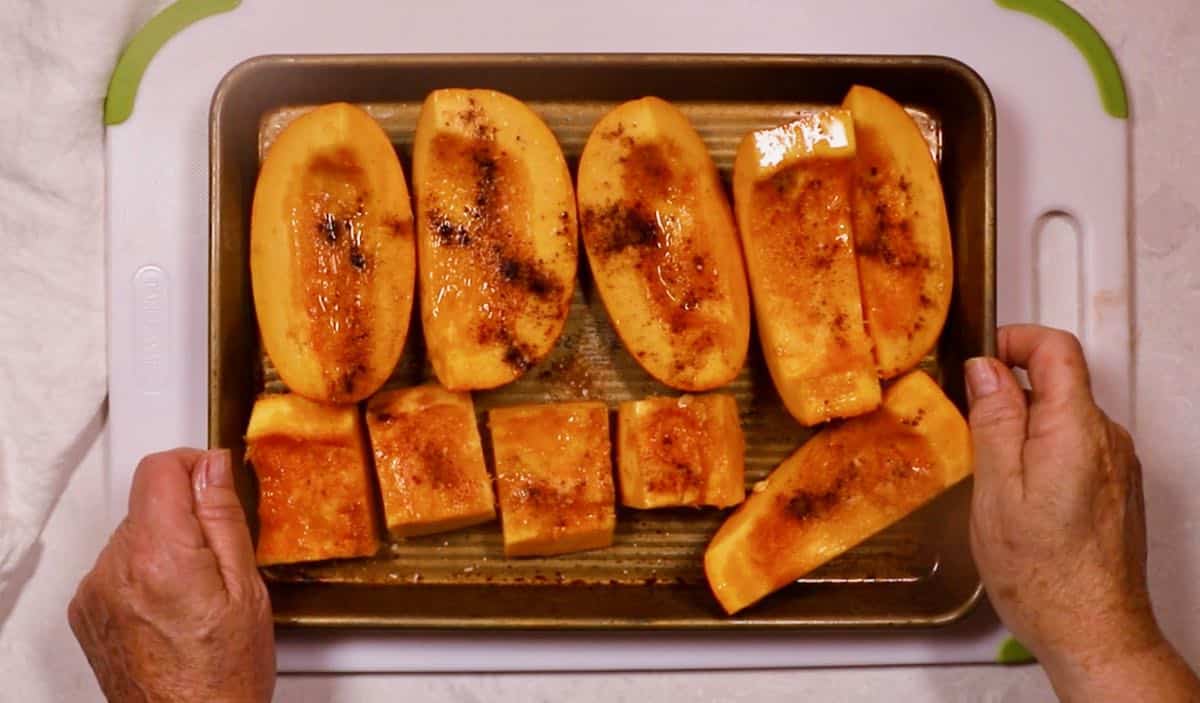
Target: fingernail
200, 476
219, 471
212, 470
982, 380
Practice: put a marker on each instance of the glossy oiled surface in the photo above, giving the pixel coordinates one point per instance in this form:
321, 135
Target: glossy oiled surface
496, 233
792, 187
429, 460
918, 572
663, 547
662, 245
553, 477
684, 451
315, 500
331, 254
902, 235
845, 484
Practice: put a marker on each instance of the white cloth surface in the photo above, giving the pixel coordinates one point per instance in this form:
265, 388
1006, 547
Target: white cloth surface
56, 55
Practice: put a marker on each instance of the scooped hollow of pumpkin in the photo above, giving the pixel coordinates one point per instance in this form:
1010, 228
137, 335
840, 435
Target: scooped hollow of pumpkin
845, 484
332, 261
791, 187
901, 232
661, 242
496, 233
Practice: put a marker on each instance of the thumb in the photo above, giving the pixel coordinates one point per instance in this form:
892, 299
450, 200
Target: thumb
998, 419
222, 519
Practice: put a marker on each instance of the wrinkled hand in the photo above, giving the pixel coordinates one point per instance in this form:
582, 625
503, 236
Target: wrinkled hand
1058, 526
174, 609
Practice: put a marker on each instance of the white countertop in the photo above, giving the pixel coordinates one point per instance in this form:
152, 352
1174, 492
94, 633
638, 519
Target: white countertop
1159, 53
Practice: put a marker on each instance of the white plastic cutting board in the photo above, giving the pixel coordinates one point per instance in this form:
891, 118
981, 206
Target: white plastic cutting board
1058, 150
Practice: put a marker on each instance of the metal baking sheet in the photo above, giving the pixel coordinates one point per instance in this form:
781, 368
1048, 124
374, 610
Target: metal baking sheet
919, 572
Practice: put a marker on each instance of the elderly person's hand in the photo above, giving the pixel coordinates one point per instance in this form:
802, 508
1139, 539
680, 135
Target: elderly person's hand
1058, 526
174, 609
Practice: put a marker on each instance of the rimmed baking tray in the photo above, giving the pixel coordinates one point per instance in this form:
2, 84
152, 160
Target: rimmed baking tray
917, 573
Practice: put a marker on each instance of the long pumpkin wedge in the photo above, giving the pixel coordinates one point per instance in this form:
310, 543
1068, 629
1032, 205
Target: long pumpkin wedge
662, 245
901, 232
791, 187
331, 255
844, 485
497, 236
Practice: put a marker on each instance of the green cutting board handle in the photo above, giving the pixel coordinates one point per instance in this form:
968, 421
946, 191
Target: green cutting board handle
1089, 42
127, 76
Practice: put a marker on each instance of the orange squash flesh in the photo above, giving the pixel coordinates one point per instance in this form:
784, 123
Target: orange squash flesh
686, 451
429, 460
553, 478
332, 260
662, 246
497, 236
901, 233
315, 496
792, 193
844, 485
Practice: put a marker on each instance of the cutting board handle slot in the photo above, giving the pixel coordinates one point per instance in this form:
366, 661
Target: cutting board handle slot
1059, 285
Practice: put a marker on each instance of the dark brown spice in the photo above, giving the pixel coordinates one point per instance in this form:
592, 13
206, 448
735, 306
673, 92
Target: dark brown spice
515, 357
620, 228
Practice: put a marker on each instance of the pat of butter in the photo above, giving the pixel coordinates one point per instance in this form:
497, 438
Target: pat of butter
825, 134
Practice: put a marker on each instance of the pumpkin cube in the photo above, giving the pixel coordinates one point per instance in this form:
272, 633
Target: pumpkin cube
429, 460
315, 496
686, 451
553, 478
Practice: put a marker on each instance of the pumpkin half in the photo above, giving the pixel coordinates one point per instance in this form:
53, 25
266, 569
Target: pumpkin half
332, 261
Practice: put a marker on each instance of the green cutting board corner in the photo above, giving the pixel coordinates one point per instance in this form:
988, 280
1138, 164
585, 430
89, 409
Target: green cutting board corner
1013, 652
127, 76
1089, 42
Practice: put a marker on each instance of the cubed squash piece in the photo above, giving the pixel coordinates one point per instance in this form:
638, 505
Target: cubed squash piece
792, 187
332, 260
429, 460
844, 485
901, 232
315, 496
686, 451
496, 234
553, 477
662, 245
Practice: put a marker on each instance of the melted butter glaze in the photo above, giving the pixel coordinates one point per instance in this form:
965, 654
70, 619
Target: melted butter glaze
876, 463
885, 222
802, 227
314, 500
654, 229
553, 469
485, 270
334, 239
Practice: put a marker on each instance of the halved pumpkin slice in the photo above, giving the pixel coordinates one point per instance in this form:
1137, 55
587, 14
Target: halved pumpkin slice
662, 245
901, 232
844, 485
331, 255
791, 187
497, 236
